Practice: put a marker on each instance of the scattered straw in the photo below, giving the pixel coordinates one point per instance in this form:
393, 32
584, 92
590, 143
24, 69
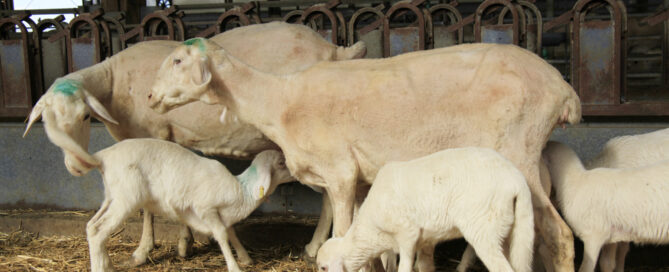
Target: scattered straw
274, 243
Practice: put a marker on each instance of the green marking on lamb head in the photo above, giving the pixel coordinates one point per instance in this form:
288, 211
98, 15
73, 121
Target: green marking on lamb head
66, 86
196, 41
251, 174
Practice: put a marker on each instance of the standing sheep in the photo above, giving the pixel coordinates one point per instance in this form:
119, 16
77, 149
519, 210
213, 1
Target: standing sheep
471, 192
164, 177
609, 205
339, 122
115, 92
630, 151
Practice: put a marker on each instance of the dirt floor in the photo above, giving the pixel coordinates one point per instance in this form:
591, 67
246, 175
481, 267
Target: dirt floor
39, 241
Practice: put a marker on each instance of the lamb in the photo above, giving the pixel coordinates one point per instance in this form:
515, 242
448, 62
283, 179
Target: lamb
630, 151
471, 192
339, 122
164, 177
609, 205
115, 92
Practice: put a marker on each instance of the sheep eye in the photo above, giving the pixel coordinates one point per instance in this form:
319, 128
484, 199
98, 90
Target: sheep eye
87, 116
177, 61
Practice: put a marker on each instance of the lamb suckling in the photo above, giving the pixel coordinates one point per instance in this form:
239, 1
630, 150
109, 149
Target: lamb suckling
609, 205
166, 178
469, 192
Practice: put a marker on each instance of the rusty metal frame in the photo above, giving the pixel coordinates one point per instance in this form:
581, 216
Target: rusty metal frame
293, 16
61, 33
171, 17
236, 12
485, 6
455, 16
75, 24
420, 18
5, 25
581, 8
119, 28
354, 18
527, 22
332, 17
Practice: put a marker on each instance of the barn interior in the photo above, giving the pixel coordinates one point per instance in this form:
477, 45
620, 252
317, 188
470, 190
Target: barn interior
615, 54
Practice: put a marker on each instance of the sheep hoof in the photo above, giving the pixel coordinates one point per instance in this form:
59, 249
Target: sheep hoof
309, 259
134, 262
245, 261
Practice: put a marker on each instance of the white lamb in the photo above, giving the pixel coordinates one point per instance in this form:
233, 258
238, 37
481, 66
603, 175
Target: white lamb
164, 177
628, 151
413, 205
609, 205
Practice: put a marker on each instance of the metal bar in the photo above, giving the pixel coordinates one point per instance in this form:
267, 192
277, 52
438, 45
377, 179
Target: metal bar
563, 19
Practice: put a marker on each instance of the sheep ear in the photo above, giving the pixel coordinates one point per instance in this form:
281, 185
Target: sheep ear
261, 186
201, 75
64, 141
99, 108
35, 114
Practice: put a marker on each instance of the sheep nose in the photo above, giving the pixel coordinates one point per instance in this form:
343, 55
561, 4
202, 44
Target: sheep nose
150, 95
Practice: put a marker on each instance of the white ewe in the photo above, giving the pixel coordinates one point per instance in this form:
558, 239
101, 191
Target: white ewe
166, 178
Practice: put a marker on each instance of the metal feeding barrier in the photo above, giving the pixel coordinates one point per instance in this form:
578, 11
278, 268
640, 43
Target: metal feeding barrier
588, 43
17, 63
52, 50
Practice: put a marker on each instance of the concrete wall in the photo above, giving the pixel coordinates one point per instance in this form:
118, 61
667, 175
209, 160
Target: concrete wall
32, 173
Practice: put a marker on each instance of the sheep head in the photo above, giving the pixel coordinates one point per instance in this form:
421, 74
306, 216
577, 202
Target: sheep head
184, 77
267, 171
66, 109
330, 257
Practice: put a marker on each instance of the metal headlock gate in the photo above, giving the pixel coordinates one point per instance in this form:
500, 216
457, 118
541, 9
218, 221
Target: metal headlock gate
17, 63
52, 50
589, 48
85, 46
407, 38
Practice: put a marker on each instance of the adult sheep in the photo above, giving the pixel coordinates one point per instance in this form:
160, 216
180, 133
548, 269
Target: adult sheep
339, 122
115, 92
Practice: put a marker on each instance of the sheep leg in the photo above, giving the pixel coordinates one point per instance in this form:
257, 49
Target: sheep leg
607, 259
406, 241
425, 259
468, 258
484, 240
623, 248
322, 229
99, 228
185, 243
244, 257
592, 245
342, 197
544, 255
553, 230
220, 233
146, 242
389, 259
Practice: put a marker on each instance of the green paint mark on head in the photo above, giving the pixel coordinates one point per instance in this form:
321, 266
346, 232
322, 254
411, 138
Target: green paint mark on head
199, 42
251, 174
66, 86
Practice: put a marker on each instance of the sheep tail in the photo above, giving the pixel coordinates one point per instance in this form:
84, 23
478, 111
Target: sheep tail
571, 112
355, 51
522, 234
